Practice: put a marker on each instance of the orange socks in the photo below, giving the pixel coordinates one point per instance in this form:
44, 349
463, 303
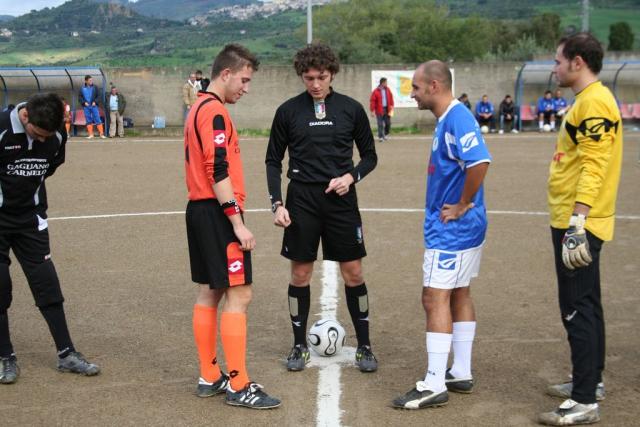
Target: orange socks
67, 126
233, 331
205, 331
101, 129
90, 130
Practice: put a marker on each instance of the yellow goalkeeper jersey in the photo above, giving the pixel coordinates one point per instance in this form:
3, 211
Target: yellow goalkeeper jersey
587, 161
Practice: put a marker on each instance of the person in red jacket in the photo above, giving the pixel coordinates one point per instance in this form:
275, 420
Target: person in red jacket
381, 104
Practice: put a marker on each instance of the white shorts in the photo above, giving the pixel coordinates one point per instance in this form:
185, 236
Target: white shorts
450, 270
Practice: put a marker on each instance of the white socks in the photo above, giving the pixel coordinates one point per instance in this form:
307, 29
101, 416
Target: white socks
463, 334
438, 347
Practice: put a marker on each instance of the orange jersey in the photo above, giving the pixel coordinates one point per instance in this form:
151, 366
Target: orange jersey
211, 149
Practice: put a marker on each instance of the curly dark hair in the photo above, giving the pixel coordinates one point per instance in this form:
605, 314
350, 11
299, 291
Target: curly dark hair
45, 111
318, 56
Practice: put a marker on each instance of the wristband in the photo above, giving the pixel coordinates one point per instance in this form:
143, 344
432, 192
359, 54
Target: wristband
230, 208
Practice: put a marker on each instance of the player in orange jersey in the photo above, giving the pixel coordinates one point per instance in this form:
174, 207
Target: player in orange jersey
219, 243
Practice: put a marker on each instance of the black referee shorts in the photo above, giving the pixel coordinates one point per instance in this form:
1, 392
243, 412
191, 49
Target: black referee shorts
214, 250
314, 215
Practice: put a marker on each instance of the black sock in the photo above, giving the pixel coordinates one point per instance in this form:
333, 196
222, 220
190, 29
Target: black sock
54, 315
299, 302
6, 349
358, 303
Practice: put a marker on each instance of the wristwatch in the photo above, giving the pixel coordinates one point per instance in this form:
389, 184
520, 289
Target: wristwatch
274, 206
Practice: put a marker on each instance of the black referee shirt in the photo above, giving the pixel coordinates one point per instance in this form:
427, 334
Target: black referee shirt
24, 165
319, 149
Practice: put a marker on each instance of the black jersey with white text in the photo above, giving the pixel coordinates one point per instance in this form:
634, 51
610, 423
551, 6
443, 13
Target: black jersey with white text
24, 165
320, 149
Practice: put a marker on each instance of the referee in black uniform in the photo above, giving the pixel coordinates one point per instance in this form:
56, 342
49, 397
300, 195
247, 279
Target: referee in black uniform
319, 127
32, 146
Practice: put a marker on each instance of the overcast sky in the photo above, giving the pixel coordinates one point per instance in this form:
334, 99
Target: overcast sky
17, 7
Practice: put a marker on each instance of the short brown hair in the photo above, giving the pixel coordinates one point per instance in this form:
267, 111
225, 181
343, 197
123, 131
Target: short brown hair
586, 46
235, 57
318, 56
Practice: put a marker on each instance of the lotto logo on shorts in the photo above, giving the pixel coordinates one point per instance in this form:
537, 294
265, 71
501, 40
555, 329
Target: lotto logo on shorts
219, 137
446, 261
236, 266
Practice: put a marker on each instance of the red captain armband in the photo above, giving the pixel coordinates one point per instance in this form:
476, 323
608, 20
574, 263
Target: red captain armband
231, 208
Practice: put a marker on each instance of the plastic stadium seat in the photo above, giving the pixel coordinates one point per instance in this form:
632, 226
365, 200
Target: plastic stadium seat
78, 118
625, 111
635, 112
526, 114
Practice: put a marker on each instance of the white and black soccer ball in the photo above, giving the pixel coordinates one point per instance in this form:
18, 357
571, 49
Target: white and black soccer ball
484, 129
326, 337
546, 127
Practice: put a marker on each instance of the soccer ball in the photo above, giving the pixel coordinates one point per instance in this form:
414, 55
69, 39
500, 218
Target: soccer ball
546, 128
484, 129
326, 337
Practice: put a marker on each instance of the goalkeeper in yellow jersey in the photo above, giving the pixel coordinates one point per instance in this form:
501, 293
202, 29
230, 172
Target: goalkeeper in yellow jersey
583, 184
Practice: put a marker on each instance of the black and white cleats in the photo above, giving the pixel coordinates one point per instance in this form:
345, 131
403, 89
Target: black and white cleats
419, 399
251, 396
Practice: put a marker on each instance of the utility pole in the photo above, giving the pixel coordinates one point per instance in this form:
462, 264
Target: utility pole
309, 23
585, 15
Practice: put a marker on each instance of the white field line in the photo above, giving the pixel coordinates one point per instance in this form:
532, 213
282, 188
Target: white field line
378, 210
329, 387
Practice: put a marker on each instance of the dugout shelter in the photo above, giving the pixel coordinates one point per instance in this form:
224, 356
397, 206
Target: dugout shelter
535, 77
18, 83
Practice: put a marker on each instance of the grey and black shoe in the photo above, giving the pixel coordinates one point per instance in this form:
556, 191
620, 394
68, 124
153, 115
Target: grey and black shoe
75, 362
415, 399
571, 413
9, 370
298, 358
564, 390
251, 396
365, 359
208, 390
458, 385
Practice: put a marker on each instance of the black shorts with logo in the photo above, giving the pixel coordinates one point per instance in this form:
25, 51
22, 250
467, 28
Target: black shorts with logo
314, 215
214, 250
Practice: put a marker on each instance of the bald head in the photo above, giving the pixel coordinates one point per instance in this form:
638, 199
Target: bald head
436, 70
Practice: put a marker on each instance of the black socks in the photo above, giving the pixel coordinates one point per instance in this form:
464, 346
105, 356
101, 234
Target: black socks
358, 304
299, 302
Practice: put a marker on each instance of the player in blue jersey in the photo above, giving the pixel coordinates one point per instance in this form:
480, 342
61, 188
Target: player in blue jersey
485, 113
546, 111
560, 104
454, 231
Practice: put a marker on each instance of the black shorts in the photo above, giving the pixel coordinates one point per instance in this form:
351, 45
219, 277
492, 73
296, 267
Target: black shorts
214, 250
315, 214
29, 247
548, 114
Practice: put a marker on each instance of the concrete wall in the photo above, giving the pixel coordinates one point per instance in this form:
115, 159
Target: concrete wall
158, 91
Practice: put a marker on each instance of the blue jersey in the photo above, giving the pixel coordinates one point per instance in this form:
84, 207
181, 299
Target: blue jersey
484, 107
545, 104
457, 145
559, 103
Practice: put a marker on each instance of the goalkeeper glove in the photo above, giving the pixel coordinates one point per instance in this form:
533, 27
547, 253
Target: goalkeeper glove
575, 247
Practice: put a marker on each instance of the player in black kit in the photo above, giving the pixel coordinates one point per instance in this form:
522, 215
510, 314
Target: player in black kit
32, 146
319, 127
